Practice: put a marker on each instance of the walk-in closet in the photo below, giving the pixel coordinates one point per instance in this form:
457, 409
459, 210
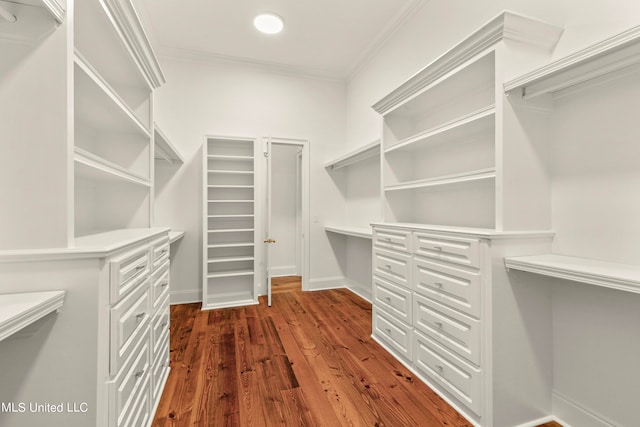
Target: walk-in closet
393, 213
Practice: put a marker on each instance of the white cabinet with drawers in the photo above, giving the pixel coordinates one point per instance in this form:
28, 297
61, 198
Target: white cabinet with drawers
444, 306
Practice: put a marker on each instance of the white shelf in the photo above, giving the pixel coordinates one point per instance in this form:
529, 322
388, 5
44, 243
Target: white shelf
98, 104
164, 149
230, 201
231, 216
230, 245
456, 129
34, 19
460, 178
601, 59
351, 230
366, 152
231, 273
91, 166
230, 259
231, 158
18, 311
174, 236
623, 277
230, 230
230, 186
230, 172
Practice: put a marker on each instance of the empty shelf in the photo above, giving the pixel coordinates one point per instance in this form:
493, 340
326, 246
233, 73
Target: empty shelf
20, 310
624, 277
351, 230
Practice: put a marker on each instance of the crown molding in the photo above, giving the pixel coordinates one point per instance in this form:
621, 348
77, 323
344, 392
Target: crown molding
507, 25
55, 9
128, 24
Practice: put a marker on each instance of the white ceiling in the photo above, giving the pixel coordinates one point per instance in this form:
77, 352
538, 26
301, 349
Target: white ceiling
328, 38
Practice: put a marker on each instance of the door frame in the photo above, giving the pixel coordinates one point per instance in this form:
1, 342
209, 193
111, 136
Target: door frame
304, 144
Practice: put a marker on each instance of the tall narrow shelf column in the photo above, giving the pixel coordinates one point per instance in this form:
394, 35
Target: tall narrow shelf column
230, 240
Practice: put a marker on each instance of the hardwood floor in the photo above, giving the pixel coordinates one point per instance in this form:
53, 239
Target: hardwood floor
306, 361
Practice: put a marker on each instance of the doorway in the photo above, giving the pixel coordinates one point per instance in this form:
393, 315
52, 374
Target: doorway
286, 223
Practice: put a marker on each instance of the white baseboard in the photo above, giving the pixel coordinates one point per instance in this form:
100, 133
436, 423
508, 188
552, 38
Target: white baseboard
327, 283
185, 297
359, 289
574, 414
287, 270
540, 421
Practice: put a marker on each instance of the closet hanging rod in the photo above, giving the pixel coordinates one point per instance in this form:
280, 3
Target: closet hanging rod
6, 15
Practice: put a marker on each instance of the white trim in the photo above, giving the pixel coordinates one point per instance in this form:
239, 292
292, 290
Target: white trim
540, 421
283, 271
359, 289
187, 296
127, 22
321, 284
55, 9
576, 414
17, 311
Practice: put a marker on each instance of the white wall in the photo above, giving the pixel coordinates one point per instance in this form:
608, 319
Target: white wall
594, 329
206, 98
283, 209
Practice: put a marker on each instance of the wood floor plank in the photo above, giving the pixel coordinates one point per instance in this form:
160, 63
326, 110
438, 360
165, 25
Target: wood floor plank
308, 360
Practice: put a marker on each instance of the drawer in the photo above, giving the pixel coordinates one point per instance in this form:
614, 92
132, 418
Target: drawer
130, 384
160, 371
447, 285
160, 284
393, 332
159, 251
160, 326
140, 411
460, 379
399, 240
129, 320
458, 250
394, 299
392, 266
452, 329
127, 271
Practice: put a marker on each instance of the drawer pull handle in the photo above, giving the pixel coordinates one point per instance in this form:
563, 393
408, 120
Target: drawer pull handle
388, 266
140, 267
163, 324
388, 331
139, 373
437, 248
438, 284
440, 368
388, 298
164, 284
162, 252
140, 316
438, 324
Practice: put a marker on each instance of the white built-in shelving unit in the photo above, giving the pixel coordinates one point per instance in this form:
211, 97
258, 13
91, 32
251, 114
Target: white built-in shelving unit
230, 241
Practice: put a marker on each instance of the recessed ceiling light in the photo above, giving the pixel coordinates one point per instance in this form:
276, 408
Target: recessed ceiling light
268, 23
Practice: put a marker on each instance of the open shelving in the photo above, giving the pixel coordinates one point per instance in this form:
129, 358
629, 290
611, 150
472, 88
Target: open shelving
229, 265
347, 230
363, 153
18, 311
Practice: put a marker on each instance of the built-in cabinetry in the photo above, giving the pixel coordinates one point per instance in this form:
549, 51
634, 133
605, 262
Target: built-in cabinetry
463, 185
229, 218
477, 162
90, 143
357, 176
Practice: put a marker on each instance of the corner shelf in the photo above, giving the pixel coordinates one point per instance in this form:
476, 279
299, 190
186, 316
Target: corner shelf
351, 230
91, 166
164, 149
602, 59
623, 277
174, 236
366, 152
18, 311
